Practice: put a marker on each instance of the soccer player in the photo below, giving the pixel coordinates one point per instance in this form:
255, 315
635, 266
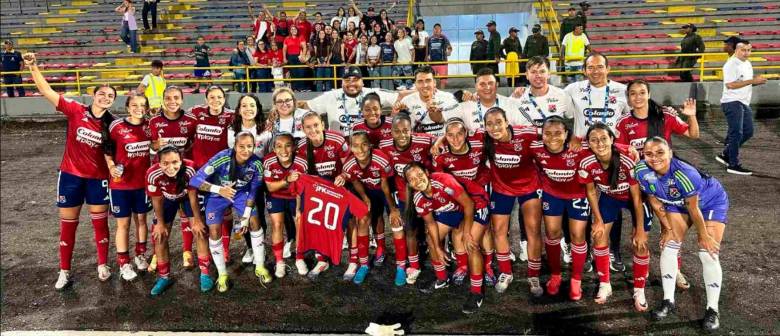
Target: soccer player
231, 179
685, 197
374, 123
513, 176
427, 98
406, 147
562, 197
127, 158
282, 167
610, 188
167, 184
83, 171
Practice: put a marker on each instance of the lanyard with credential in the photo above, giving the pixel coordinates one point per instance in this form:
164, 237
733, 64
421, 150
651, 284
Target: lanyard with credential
606, 105
479, 111
358, 100
536, 106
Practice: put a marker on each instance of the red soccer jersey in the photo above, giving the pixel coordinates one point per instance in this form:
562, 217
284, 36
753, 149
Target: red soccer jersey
377, 134
632, 130
469, 166
275, 172
559, 171
445, 190
178, 132
590, 170
328, 156
513, 171
131, 149
371, 176
419, 150
83, 155
159, 184
210, 133
325, 209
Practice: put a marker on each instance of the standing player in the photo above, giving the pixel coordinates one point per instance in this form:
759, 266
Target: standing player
610, 188
542, 100
685, 196
374, 123
127, 158
83, 171
424, 100
167, 184
513, 176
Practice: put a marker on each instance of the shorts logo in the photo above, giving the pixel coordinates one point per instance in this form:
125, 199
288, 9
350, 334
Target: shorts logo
210, 216
115, 209
545, 206
268, 205
62, 199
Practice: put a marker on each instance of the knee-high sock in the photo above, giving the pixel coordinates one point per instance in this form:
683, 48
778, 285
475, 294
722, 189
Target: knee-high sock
713, 277
215, 246
441, 271
641, 265
278, 251
227, 227
462, 260
362, 250
487, 259
579, 252
668, 263
258, 249
140, 248
400, 252
186, 234
380, 243
504, 263
601, 254
553, 249
203, 265
100, 224
67, 240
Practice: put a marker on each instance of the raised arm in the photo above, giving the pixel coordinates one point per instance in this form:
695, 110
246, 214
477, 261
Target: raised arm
40, 82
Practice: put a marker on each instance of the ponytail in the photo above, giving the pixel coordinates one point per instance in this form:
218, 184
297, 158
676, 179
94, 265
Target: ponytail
655, 119
614, 167
109, 146
311, 168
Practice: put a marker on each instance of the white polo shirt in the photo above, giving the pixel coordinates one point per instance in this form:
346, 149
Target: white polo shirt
737, 70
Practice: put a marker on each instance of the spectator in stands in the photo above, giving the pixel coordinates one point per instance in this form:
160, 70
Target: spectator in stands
150, 6
388, 56
582, 14
351, 28
263, 25
730, 44
264, 60
341, 18
535, 45
318, 22
282, 25
201, 52
370, 17
323, 54
277, 61
574, 47
250, 49
12, 61
294, 47
303, 25
361, 52
569, 22
129, 31
510, 45
239, 59
377, 31
404, 52
478, 51
738, 81
439, 48
337, 52
348, 48
153, 86
354, 14
494, 48
363, 30
691, 44
337, 26
373, 58
315, 34
420, 40
386, 23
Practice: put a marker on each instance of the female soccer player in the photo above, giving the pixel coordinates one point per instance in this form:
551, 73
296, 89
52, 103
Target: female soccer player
684, 196
513, 176
127, 157
374, 123
83, 171
610, 188
231, 179
562, 193
446, 206
167, 184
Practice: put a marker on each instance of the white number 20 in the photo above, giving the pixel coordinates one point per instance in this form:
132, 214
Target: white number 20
331, 214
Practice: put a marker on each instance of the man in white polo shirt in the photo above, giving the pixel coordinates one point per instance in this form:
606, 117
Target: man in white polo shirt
738, 81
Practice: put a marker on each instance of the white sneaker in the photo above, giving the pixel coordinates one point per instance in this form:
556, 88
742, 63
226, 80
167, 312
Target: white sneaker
503, 282
140, 263
605, 291
300, 264
523, 255
127, 272
104, 273
320, 267
372, 243
536, 288
350, 273
248, 258
640, 303
281, 270
287, 249
411, 275
512, 256
63, 281
565, 251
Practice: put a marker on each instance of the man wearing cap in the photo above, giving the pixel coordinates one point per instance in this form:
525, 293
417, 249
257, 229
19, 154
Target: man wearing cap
479, 50
568, 23
342, 106
12, 61
730, 45
691, 44
494, 46
511, 44
370, 17
535, 45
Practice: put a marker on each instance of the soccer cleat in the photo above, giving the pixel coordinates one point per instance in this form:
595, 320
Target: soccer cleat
372, 243
140, 263
640, 303
490, 277
435, 285
350, 273
280, 270
459, 275
160, 286
104, 272
554, 284
503, 282
472, 304
711, 321
681, 281
665, 309
152, 264
565, 252
206, 283
536, 287
361, 274
605, 291
411, 275
222, 283
186, 260
616, 263
523, 255
739, 170
300, 264
379, 260
400, 276
722, 159
320, 267
127, 272
575, 290
248, 257
287, 249
262, 273
63, 280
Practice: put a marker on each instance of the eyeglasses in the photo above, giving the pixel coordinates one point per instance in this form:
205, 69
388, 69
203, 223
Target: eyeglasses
283, 101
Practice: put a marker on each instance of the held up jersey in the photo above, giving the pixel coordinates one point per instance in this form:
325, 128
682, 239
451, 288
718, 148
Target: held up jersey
131, 150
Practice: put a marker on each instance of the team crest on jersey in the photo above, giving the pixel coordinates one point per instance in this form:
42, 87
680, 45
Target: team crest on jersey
475, 160
622, 176
115, 209
417, 157
570, 163
552, 108
518, 147
183, 129
674, 192
612, 99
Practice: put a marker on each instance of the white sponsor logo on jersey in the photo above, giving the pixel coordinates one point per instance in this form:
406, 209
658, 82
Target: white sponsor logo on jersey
559, 175
136, 147
326, 167
209, 130
88, 136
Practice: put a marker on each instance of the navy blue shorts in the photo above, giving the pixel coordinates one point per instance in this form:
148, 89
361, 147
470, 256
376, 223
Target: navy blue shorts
449, 218
611, 209
577, 208
378, 203
481, 216
276, 205
200, 73
125, 202
171, 208
501, 204
74, 191
217, 205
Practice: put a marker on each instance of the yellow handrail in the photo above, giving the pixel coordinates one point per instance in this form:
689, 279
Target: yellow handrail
551, 16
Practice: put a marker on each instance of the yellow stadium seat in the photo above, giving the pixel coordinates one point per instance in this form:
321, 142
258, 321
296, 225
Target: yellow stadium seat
59, 20
113, 52
179, 7
757, 59
719, 21
708, 9
713, 45
696, 20
729, 34
71, 11
17, 33
293, 4
676, 35
31, 22
45, 30
128, 61
659, 11
32, 41
681, 9
114, 74
707, 32
88, 78
82, 3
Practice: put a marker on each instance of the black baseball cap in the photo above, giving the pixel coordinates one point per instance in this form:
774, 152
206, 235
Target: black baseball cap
490, 23
514, 29
479, 32
370, 9
352, 71
732, 41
